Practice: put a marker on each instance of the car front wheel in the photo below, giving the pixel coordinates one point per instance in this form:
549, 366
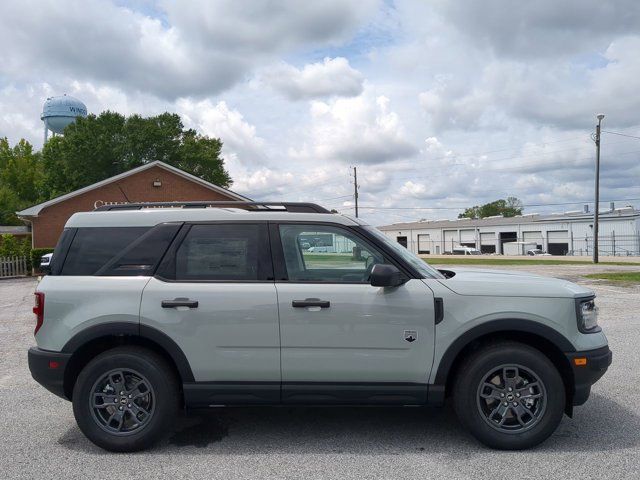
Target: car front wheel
125, 399
509, 395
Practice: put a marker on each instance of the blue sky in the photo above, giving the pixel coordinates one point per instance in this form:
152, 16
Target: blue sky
440, 104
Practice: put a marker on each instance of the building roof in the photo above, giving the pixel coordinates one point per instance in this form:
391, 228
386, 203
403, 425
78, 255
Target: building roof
36, 209
627, 212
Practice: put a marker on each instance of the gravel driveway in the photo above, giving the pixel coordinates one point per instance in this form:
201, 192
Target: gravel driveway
40, 438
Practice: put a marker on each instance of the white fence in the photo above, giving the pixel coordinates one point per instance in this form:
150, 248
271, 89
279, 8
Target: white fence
13, 266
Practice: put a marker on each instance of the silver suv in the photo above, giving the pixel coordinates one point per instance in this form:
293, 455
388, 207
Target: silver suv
150, 308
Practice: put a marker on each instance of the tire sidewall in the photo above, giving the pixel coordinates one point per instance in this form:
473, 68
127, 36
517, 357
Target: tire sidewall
465, 396
165, 398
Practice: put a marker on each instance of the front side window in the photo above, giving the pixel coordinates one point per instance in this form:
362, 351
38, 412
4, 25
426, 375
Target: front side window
315, 253
223, 253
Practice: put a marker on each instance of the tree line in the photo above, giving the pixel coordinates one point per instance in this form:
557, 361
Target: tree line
507, 208
99, 147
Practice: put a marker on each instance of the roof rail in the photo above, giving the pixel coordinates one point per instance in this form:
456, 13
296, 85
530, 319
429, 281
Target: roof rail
294, 207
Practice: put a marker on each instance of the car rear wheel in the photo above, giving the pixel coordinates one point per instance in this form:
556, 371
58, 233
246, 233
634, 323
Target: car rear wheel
509, 395
125, 399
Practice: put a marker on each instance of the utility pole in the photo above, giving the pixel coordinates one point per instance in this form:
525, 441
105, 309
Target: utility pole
596, 208
355, 188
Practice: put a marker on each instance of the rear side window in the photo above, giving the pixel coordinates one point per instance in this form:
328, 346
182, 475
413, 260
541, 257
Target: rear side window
142, 256
223, 252
93, 247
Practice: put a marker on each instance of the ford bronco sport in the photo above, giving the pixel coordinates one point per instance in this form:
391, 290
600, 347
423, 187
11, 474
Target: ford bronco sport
149, 308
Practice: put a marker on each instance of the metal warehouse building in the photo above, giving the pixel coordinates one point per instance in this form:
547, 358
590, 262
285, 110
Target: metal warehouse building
568, 233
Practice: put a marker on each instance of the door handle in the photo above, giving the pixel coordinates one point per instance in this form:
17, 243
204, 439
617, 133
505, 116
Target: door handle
311, 302
179, 302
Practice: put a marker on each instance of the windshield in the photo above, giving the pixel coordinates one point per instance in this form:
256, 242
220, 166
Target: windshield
416, 262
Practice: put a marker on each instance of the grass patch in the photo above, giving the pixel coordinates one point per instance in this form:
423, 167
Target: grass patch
509, 261
617, 276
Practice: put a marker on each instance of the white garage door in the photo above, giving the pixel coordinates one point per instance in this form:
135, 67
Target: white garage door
424, 243
488, 238
467, 236
532, 237
450, 240
558, 236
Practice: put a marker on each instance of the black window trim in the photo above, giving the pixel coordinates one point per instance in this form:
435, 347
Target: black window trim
106, 269
59, 258
170, 254
280, 268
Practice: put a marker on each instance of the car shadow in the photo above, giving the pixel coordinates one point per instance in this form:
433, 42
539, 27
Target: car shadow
601, 425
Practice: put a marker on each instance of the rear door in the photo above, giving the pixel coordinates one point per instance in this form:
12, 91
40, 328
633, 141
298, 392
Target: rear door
214, 296
343, 340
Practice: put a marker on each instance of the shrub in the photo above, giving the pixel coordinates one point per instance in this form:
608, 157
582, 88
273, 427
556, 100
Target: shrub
9, 247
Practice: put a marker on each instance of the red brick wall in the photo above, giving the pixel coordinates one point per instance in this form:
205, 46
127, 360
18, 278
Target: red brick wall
138, 187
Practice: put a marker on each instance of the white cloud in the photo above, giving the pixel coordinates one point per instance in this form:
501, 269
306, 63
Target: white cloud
331, 77
241, 144
197, 50
545, 28
358, 130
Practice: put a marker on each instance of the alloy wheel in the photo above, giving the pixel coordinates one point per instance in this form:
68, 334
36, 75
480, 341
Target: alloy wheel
122, 401
511, 398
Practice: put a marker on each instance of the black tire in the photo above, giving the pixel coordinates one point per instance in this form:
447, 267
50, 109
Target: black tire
161, 400
475, 410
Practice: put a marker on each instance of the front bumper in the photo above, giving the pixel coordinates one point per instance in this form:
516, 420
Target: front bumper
47, 368
587, 372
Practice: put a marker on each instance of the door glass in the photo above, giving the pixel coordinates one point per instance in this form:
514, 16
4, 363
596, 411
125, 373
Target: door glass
316, 253
221, 252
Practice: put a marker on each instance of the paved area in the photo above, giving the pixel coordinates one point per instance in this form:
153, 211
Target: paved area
39, 437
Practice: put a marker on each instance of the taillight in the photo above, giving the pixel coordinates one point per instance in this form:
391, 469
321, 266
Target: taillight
38, 309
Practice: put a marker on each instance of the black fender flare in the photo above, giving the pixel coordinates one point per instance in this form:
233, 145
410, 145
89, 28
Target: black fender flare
130, 329
496, 327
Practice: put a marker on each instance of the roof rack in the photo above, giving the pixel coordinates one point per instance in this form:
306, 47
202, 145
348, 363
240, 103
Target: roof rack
294, 207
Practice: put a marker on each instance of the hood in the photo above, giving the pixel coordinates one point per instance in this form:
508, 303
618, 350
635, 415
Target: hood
502, 283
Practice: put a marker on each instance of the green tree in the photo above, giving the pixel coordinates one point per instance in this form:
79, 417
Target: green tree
507, 208
98, 147
21, 179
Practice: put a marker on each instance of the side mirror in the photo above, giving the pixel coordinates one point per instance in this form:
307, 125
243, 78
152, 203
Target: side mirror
384, 275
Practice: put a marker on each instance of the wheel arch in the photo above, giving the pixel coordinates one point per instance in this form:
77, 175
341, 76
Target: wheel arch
89, 343
541, 337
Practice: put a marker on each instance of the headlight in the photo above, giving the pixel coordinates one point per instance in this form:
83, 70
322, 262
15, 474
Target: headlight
587, 314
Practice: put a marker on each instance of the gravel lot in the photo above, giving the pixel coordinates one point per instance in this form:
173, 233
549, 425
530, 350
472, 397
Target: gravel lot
40, 438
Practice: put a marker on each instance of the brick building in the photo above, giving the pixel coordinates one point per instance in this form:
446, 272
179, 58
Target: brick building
153, 182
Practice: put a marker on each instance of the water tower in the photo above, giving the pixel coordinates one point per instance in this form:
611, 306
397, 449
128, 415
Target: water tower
58, 112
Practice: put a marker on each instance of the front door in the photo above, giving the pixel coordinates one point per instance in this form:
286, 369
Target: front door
342, 340
214, 296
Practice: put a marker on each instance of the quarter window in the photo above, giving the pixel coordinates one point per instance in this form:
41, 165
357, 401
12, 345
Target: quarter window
93, 247
315, 253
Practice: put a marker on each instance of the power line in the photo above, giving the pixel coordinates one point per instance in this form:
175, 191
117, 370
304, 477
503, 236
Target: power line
621, 134
333, 198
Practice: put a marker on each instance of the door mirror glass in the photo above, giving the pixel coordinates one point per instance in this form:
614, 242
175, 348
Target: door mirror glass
385, 275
